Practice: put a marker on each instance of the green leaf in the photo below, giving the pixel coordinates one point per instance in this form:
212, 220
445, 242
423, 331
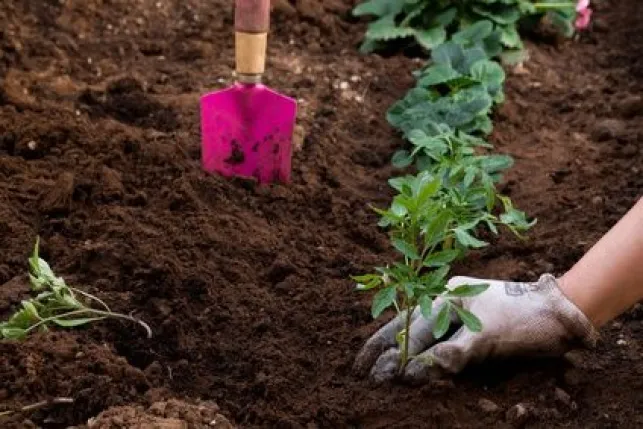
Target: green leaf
499, 15
510, 37
469, 319
490, 73
468, 240
385, 28
72, 323
402, 159
407, 249
439, 259
443, 321
473, 33
430, 38
437, 74
426, 306
378, 8
13, 333
31, 310
367, 281
468, 290
34, 267
382, 300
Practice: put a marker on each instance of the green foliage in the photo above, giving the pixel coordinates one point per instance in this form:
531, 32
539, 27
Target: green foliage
55, 304
492, 24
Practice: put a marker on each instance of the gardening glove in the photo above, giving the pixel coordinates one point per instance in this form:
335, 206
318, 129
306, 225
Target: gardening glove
533, 319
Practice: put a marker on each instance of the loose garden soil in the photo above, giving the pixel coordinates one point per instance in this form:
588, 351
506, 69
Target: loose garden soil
245, 287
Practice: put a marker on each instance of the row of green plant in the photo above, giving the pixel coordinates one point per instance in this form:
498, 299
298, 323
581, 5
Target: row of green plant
429, 23
447, 208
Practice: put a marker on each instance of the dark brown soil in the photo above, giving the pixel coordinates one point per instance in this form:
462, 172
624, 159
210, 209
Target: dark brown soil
246, 288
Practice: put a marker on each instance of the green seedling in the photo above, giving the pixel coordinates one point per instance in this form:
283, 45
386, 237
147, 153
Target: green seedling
57, 304
433, 222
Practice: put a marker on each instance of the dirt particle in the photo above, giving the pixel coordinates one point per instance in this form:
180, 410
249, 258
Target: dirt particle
518, 415
631, 106
488, 406
608, 129
562, 397
236, 156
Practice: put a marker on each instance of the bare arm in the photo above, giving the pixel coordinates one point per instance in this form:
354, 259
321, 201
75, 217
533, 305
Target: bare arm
609, 278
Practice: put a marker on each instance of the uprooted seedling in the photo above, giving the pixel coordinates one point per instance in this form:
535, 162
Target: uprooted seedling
57, 304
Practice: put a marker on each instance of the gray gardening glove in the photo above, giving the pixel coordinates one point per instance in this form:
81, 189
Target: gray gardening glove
528, 319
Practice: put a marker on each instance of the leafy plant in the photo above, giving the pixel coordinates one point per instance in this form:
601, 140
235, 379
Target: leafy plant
423, 231
432, 222
429, 23
56, 304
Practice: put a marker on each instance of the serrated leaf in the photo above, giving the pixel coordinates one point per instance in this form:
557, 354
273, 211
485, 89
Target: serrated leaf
441, 258
407, 249
431, 38
443, 321
382, 300
468, 290
474, 33
437, 74
426, 306
469, 319
468, 240
385, 28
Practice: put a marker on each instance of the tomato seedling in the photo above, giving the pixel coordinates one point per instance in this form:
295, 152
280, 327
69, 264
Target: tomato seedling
56, 304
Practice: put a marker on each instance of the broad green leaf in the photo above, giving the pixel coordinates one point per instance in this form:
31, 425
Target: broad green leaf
490, 73
71, 323
468, 290
443, 321
439, 259
402, 159
407, 249
382, 300
473, 33
378, 8
499, 15
468, 240
385, 28
469, 319
446, 17
438, 74
431, 38
426, 306
510, 37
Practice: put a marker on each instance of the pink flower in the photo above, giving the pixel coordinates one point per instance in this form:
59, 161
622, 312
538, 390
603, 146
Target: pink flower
584, 14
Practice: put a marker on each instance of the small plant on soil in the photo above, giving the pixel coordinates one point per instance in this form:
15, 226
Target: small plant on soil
56, 304
431, 224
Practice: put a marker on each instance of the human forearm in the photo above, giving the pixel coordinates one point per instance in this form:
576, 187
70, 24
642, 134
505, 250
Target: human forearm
609, 278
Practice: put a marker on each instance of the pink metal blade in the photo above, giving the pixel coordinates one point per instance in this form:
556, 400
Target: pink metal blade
247, 131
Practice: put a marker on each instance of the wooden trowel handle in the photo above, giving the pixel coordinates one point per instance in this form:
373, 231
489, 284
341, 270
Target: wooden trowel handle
251, 24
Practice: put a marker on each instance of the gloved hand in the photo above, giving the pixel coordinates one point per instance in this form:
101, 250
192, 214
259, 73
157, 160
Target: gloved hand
533, 319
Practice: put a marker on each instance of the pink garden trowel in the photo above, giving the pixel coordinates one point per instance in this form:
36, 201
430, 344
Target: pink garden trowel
247, 129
